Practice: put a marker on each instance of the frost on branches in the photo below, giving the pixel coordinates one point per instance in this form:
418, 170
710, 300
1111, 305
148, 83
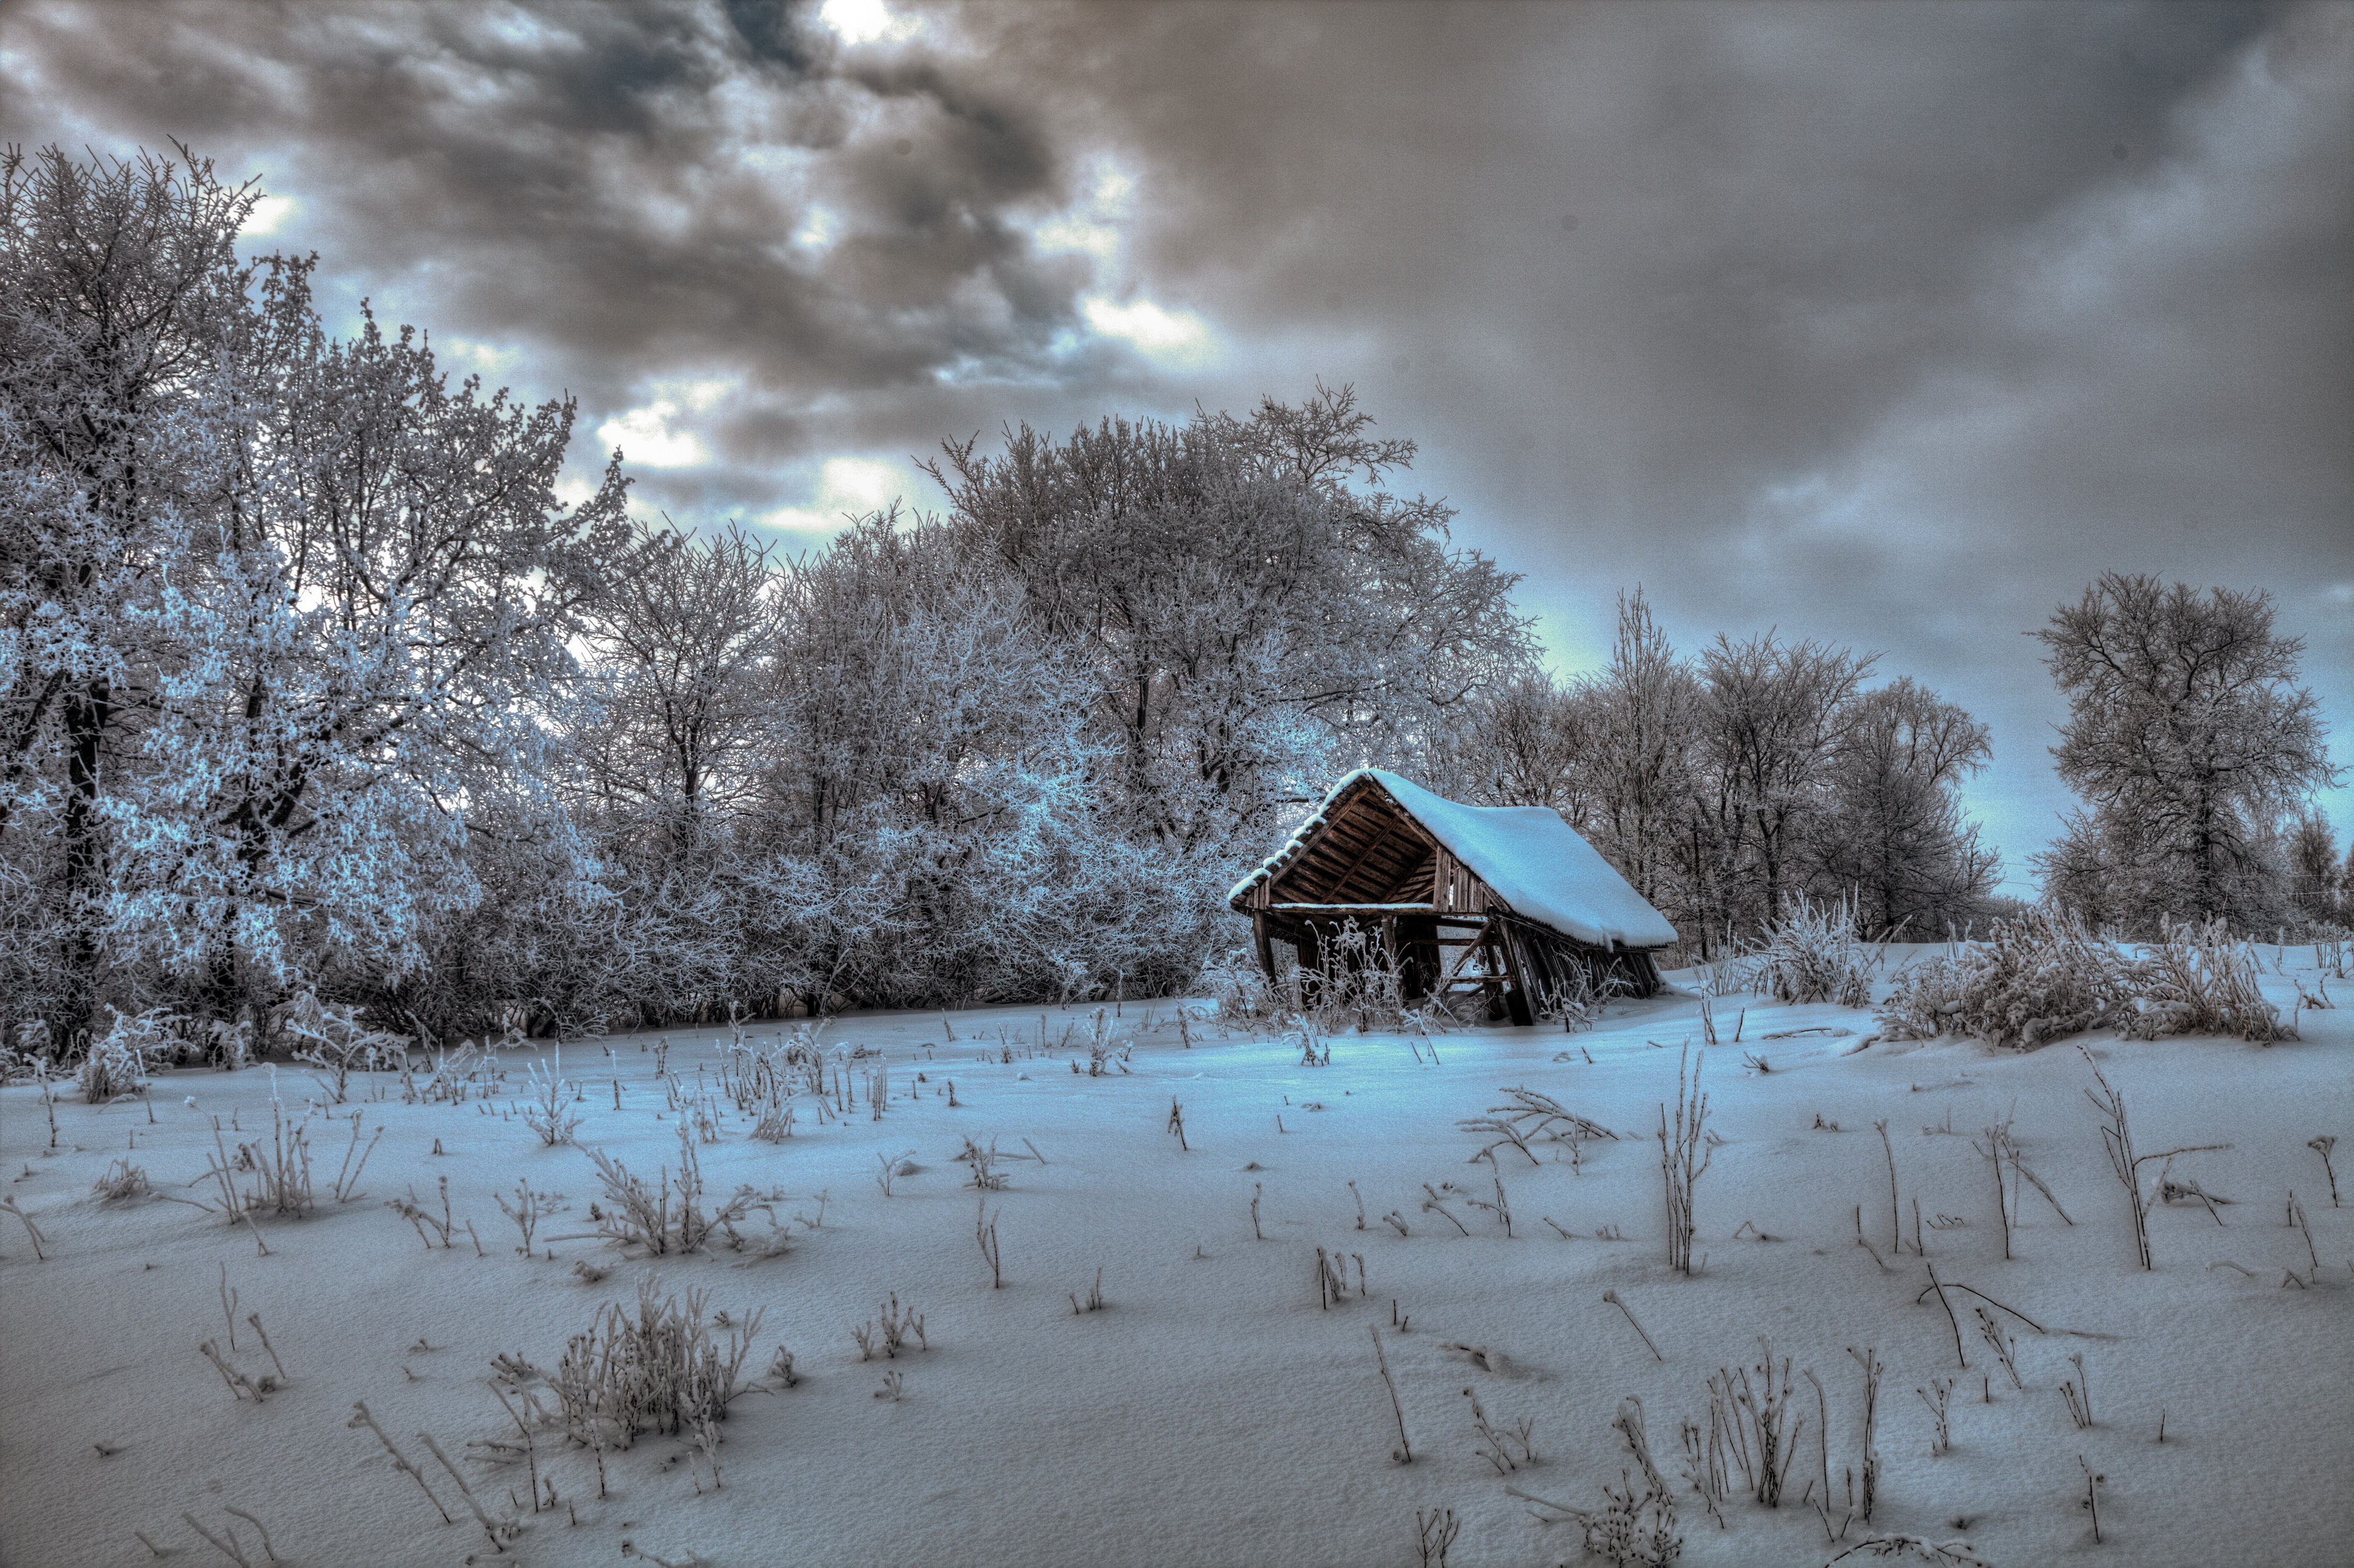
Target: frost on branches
275, 605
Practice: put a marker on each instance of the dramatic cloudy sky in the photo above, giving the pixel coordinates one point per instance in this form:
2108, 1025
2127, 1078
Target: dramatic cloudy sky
1891, 325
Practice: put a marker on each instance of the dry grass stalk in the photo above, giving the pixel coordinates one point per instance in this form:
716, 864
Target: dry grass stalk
1937, 1405
2296, 1213
1885, 1547
1496, 1444
1764, 1434
1434, 1533
2116, 1137
240, 1386
31, 1229
121, 1182
1403, 1453
233, 1549
2091, 1501
888, 1332
984, 1230
658, 1370
1613, 1299
1869, 1360
399, 1460
668, 1217
1533, 1117
2006, 1350
1895, 1225
1683, 1160
500, 1531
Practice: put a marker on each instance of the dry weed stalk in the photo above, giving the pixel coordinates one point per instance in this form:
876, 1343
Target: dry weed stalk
1403, 1453
887, 1333
548, 1111
1434, 1533
1533, 1117
1937, 1403
1496, 1444
2118, 1140
121, 1182
1952, 1554
1634, 1528
2091, 1501
1683, 1160
984, 1230
1612, 1296
652, 1218
1869, 1360
2006, 1350
659, 1370
31, 1230
399, 1460
1765, 1435
2322, 1146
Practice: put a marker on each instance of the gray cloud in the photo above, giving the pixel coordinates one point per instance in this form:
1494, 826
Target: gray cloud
1889, 324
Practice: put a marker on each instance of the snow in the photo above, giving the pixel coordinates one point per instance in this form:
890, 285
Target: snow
1214, 1413
1536, 862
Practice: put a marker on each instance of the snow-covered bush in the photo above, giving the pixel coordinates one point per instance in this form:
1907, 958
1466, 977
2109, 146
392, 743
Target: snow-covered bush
1812, 955
118, 1064
331, 1037
2196, 980
2032, 980
2041, 977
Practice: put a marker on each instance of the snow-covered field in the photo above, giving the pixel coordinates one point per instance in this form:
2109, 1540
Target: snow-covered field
1215, 1411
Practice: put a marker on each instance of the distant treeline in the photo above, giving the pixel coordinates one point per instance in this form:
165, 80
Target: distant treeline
313, 684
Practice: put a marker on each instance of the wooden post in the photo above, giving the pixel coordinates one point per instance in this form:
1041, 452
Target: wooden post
1266, 947
1516, 993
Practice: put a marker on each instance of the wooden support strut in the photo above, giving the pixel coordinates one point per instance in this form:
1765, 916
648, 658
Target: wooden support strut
1516, 993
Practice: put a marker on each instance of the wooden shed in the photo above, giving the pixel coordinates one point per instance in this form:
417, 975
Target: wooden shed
1507, 901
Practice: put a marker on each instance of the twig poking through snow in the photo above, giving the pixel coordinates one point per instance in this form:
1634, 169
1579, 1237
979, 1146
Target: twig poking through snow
1612, 1298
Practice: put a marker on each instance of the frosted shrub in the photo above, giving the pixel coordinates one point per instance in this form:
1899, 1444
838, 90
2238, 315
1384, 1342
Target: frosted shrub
656, 1371
1812, 955
2198, 980
2032, 980
331, 1037
1244, 999
118, 1066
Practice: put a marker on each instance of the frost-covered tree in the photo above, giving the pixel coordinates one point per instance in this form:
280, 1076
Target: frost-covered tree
2188, 739
1644, 716
1891, 837
955, 830
2316, 890
1774, 715
312, 596
116, 283
1251, 623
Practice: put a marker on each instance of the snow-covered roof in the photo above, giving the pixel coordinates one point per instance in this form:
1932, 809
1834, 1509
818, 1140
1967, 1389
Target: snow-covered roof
1536, 862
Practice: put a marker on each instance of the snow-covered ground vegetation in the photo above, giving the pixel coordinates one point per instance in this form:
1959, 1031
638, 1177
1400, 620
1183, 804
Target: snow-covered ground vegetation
1116, 1285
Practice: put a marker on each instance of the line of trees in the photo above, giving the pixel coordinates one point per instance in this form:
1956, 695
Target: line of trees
310, 681
1727, 784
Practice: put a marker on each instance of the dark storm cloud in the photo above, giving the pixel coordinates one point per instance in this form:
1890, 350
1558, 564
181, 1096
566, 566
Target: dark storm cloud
617, 186
1888, 323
